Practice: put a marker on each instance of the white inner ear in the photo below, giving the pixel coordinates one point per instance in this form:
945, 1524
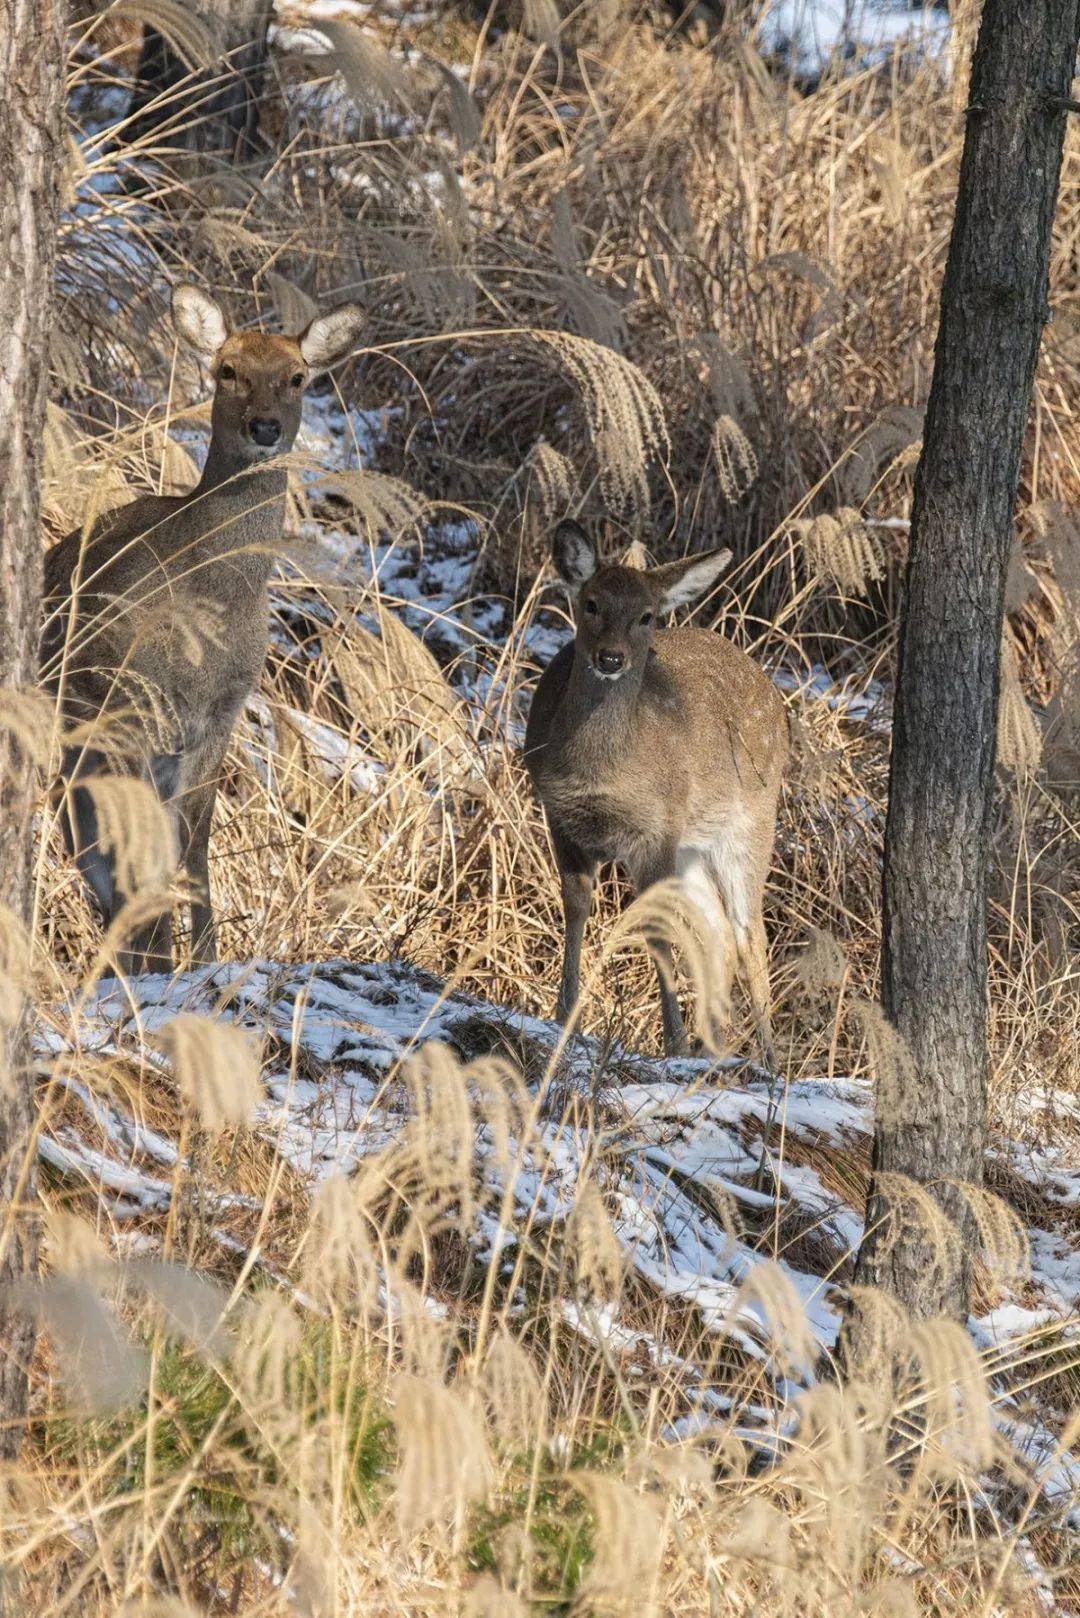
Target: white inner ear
694, 582
329, 337
199, 320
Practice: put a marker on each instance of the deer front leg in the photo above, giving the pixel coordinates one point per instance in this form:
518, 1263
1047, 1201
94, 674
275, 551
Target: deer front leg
577, 873
651, 869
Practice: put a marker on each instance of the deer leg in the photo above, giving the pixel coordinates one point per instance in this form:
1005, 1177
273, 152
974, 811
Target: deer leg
740, 878
577, 873
714, 1004
754, 962
80, 827
658, 868
199, 813
150, 948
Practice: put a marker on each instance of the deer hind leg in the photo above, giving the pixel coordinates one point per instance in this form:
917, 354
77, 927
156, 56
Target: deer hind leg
740, 879
150, 948
646, 872
714, 1010
198, 816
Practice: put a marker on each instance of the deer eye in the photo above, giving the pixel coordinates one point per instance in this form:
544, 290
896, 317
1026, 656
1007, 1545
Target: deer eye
646, 618
591, 608
297, 381
227, 373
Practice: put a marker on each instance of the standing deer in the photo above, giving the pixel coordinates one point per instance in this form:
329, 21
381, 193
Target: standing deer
660, 750
158, 621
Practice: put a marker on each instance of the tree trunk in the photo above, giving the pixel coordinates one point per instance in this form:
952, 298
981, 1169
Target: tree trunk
31, 112
934, 950
215, 111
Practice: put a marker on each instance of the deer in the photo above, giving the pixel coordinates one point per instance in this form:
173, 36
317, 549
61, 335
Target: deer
157, 620
660, 750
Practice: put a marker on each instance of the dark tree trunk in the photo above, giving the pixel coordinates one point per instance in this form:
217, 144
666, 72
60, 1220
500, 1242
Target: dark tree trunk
31, 110
993, 306
214, 111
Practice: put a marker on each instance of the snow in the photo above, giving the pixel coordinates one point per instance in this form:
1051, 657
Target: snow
680, 1138
810, 36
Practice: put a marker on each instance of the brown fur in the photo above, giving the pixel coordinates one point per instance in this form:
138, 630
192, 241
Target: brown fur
672, 768
156, 621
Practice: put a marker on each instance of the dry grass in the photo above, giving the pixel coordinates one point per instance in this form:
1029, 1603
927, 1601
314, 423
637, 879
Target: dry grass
618, 272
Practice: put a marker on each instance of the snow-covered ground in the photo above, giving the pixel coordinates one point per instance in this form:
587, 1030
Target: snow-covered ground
810, 36
680, 1147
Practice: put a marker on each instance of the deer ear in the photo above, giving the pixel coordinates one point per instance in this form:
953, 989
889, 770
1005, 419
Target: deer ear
330, 337
199, 321
680, 582
573, 553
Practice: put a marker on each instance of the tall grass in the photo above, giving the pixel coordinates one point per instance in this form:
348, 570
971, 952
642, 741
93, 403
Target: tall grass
622, 272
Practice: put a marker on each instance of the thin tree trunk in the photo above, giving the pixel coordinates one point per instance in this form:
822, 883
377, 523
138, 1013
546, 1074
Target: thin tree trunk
934, 949
31, 110
216, 111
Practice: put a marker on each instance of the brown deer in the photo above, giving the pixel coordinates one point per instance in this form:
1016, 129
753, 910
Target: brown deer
157, 621
660, 750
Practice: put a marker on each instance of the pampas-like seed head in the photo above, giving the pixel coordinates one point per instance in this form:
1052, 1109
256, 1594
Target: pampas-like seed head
135, 829
372, 76
891, 1063
951, 1393
217, 1068
443, 1463
1005, 1241
822, 964
267, 1341
1019, 739
541, 21
769, 1293
489, 1599
15, 967
623, 1575
878, 1333
510, 1390
554, 480
839, 546
28, 717
340, 1264
624, 412
736, 458
598, 1254
75, 1247
907, 1210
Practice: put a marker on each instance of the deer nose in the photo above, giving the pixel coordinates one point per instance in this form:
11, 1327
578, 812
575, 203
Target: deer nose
264, 430
609, 662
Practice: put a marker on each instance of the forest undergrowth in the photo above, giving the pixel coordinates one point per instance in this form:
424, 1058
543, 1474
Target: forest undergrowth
365, 1290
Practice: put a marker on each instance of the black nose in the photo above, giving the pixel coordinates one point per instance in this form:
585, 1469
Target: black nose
609, 662
264, 430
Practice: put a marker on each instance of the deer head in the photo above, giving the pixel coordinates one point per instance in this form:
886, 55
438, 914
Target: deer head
616, 608
259, 377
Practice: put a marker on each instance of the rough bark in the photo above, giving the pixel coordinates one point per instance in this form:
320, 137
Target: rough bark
31, 90
934, 948
216, 111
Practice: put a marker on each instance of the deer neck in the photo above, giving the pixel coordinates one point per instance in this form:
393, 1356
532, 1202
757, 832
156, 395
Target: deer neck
255, 504
602, 711
252, 483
